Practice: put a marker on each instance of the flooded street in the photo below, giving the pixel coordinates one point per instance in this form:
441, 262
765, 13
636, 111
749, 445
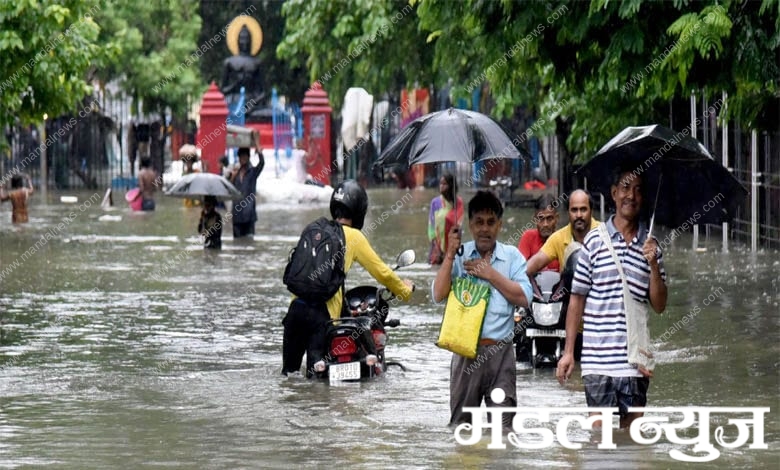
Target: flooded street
124, 345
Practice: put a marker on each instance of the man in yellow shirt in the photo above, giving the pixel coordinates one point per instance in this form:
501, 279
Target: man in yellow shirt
305, 323
580, 223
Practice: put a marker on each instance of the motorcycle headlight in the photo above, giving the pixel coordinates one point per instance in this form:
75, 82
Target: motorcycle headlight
547, 314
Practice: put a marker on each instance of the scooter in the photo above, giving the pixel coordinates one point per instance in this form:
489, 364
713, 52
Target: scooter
544, 335
356, 341
546, 326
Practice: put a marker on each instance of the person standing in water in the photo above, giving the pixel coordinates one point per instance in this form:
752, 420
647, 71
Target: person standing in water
244, 177
18, 196
442, 217
147, 183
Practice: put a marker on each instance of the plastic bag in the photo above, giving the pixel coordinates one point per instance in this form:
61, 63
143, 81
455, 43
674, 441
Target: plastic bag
461, 326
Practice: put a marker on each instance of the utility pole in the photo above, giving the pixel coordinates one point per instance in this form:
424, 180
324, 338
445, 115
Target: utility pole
44, 179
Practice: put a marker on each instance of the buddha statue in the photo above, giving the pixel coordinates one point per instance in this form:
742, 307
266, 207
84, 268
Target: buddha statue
243, 70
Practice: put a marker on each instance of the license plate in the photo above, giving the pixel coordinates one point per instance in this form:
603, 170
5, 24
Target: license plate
347, 371
536, 333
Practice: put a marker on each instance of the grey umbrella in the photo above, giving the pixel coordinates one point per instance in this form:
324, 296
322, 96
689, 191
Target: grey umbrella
452, 135
194, 185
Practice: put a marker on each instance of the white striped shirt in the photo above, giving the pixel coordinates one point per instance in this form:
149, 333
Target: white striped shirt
604, 341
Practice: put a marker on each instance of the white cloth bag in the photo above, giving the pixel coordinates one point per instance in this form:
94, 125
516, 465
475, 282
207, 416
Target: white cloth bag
638, 334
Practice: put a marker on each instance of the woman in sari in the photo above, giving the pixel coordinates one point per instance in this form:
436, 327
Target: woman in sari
443, 217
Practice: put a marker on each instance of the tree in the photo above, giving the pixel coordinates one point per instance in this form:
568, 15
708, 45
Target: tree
601, 66
374, 44
157, 60
158, 53
47, 50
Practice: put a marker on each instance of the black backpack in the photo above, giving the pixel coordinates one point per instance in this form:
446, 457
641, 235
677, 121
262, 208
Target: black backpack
315, 270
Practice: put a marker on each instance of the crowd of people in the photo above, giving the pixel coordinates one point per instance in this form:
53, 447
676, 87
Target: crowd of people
619, 271
598, 312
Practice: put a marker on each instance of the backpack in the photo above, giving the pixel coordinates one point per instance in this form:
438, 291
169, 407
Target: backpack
315, 270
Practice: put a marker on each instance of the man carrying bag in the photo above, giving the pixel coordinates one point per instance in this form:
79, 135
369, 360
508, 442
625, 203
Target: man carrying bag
619, 273
484, 262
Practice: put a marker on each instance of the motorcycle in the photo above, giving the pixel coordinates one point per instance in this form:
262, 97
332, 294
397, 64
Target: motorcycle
544, 335
356, 342
503, 187
546, 325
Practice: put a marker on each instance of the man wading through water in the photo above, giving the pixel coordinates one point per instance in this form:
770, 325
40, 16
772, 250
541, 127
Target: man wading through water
597, 293
503, 268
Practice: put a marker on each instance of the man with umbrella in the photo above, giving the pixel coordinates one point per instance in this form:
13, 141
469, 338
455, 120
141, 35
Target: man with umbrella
212, 188
503, 267
619, 254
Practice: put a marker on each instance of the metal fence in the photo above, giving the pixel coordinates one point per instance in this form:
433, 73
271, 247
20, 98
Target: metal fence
83, 149
754, 159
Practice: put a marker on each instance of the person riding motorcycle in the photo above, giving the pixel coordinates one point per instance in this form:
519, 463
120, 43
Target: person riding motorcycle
305, 323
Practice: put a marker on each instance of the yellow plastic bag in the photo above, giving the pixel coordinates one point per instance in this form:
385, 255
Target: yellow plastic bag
461, 326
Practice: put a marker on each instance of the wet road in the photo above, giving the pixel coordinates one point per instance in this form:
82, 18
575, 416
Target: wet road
124, 345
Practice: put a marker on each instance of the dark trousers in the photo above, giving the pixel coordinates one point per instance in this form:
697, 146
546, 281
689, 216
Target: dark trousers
243, 229
147, 205
472, 380
304, 332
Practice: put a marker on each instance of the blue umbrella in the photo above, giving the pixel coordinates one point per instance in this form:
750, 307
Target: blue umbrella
683, 179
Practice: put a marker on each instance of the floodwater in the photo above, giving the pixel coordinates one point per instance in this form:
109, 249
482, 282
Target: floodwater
124, 345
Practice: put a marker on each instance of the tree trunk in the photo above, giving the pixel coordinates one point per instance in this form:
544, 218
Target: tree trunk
562, 131
156, 144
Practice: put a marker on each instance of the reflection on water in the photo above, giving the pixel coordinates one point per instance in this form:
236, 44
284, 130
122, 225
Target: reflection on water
124, 344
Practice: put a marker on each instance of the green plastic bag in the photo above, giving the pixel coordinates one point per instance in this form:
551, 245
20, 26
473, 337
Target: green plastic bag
461, 326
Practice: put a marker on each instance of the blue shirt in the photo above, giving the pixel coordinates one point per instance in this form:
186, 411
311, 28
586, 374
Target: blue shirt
507, 260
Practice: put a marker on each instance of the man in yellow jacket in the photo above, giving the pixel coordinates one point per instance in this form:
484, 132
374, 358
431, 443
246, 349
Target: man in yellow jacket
305, 323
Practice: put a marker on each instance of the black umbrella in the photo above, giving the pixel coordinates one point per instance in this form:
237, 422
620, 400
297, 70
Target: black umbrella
193, 185
452, 135
678, 173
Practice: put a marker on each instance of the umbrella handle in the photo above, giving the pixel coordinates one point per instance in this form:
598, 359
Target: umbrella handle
655, 204
460, 250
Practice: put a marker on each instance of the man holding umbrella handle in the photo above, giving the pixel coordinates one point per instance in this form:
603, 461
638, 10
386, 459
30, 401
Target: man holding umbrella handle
619, 271
486, 261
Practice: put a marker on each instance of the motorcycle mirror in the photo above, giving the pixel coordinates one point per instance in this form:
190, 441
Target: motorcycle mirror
405, 258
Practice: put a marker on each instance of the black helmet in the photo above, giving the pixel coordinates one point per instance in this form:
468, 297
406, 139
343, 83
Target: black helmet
350, 201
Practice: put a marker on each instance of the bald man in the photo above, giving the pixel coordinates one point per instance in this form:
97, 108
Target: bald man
580, 223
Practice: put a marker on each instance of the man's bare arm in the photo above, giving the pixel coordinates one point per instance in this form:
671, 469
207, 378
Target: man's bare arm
537, 263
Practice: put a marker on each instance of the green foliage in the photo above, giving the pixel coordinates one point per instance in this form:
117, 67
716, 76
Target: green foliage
374, 44
731, 47
613, 63
47, 50
156, 63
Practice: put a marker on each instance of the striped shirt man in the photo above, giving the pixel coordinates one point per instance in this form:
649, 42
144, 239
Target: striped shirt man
604, 347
